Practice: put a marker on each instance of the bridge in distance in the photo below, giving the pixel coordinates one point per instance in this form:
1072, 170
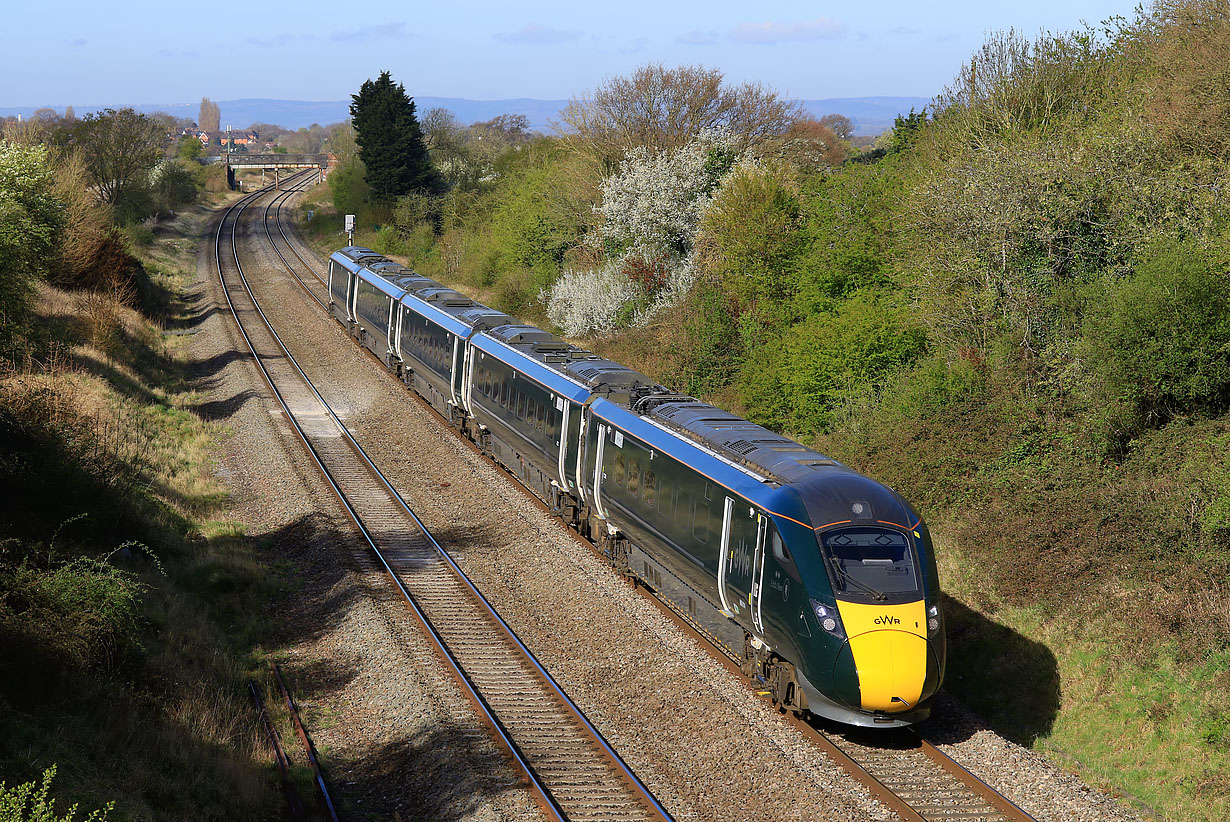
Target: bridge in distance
277, 162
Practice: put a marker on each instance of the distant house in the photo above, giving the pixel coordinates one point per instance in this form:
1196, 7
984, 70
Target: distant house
193, 131
239, 138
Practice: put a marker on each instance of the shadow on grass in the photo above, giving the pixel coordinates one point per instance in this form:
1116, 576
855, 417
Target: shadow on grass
1009, 680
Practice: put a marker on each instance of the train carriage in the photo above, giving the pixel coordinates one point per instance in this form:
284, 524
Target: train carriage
531, 411
821, 580
431, 346
374, 301
344, 266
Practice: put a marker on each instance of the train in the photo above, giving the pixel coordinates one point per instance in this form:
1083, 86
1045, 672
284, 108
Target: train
821, 581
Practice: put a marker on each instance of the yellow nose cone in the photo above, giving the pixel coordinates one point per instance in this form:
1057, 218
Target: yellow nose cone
892, 666
889, 644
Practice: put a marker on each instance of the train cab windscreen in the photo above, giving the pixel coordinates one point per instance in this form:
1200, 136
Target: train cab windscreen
870, 563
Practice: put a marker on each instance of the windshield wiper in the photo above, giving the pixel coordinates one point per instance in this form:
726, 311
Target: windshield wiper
841, 572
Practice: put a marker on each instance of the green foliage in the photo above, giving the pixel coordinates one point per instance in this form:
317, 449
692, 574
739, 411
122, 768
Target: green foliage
907, 129
750, 233
848, 233
414, 210
26, 803
120, 148
390, 141
349, 188
175, 185
189, 148
712, 354
1160, 341
83, 610
31, 220
531, 229
1209, 474
827, 358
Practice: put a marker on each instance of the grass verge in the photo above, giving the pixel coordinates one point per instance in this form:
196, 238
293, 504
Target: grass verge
132, 609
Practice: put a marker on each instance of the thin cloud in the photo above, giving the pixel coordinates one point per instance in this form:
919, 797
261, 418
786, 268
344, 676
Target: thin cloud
768, 33
944, 38
536, 34
634, 46
903, 30
80, 41
377, 32
278, 40
697, 38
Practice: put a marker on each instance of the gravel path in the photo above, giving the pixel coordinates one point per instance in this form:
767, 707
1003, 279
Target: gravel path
699, 738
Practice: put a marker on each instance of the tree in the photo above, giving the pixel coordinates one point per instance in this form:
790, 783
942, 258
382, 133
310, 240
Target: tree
664, 109
173, 185
69, 114
31, 220
839, 124
811, 145
210, 118
189, 148
390, 141
120, 148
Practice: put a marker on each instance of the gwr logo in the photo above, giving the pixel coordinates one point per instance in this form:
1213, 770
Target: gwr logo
887, 620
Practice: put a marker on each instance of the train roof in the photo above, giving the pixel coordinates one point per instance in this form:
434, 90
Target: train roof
754, 448
769, 454
358, 255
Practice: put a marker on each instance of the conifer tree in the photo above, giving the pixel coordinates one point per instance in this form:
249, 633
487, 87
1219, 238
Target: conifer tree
390, 141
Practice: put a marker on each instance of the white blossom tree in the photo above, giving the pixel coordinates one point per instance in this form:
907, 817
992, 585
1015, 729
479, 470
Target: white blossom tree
651, 208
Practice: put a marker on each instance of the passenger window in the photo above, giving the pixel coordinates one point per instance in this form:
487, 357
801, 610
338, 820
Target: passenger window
542, 416
619, 468
779, 547
634, 476
700, 523
651, 489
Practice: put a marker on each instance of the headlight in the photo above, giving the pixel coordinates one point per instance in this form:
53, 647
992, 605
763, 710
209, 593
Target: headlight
828, 619
933, 619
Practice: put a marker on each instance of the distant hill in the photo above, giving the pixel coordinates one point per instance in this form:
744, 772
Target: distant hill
871, 115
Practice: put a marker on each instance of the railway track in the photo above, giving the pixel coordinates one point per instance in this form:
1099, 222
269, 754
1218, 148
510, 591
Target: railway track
573, 772
903, 770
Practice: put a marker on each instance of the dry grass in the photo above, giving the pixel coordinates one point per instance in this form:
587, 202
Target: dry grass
165, 728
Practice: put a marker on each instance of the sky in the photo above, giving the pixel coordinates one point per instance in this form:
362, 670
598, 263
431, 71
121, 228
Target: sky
55, 53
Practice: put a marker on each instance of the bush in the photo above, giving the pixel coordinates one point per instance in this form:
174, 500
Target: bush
31, 220
828, 359
174, 185
749, 234
24, 803
349, 189
1160, 341
582, 302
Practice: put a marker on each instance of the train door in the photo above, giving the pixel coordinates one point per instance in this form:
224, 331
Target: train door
599, 457
741, 562
456, 373
582, 450
564, 407
391, 327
